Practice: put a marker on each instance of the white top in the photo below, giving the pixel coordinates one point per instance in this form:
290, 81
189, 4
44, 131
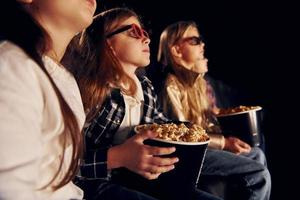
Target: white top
133, 113
31, 125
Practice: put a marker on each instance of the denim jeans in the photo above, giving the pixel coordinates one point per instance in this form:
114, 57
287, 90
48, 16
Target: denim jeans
246, 175
106, 190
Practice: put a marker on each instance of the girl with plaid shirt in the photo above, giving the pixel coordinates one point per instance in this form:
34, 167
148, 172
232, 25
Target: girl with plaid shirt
116, 100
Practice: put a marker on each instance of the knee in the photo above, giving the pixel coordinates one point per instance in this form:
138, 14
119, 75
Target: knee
267, 176
259, 156
264, 178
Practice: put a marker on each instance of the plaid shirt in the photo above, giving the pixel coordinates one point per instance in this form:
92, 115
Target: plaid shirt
100, 132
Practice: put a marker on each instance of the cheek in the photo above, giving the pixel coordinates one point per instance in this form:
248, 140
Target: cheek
120, 49
125, 52
190, 55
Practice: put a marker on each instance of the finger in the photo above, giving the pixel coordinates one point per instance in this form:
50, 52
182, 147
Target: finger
150, 176
160, 169
163, 161
160, 150
237, 150
146, 135
244, 145
245, 150
240, 149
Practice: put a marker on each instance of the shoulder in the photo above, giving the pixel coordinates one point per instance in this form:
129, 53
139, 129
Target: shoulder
172, 83
14, 60
11, 53
19, 74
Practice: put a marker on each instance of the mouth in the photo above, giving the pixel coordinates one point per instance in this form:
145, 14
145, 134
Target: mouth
146, 50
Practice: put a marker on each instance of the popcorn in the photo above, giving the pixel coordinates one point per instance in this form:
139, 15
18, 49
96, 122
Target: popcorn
174, 132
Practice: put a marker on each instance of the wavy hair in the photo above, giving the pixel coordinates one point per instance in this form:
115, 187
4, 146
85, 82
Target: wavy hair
196, 106
100, 69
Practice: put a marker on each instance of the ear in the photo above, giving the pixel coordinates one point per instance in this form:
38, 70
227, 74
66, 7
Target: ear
110, 46
176, 51
25, 1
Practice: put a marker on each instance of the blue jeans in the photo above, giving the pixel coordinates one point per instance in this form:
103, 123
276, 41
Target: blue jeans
246, 175
106, 190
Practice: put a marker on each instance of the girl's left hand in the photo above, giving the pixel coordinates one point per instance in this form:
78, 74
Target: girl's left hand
236, 145
140, 158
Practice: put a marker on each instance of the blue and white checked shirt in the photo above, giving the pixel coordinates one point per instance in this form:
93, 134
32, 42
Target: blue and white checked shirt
99, 133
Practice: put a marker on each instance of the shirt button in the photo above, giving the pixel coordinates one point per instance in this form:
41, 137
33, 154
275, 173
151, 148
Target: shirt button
118, 121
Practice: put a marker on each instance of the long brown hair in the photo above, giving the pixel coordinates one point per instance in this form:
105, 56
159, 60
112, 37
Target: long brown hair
23, 30
196, 107
100, 69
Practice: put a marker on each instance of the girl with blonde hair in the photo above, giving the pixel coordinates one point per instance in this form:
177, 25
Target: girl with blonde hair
181, 50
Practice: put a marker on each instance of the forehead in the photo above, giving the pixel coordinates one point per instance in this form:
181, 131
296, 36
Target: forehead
190, 32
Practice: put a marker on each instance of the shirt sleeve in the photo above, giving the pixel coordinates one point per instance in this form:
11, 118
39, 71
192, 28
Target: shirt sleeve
159, 117
217, 141
95, 165
20, 128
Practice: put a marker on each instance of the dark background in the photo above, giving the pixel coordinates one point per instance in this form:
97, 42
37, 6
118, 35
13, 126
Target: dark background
249, 45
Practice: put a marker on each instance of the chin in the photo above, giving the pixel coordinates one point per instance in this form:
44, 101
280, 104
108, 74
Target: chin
87, 19
146, 63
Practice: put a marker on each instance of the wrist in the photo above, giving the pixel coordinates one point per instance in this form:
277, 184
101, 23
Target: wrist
222, 142
113, 159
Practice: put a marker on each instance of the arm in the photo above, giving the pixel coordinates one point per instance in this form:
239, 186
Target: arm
95, 164
142, 159
97, 139
21, 106
231, 144
217, 141
158, 115
132, 154
152, 112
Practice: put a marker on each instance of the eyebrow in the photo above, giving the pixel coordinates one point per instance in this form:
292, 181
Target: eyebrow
119, 30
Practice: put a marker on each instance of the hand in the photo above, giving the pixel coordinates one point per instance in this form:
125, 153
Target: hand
215, 110
236, 145
140, 158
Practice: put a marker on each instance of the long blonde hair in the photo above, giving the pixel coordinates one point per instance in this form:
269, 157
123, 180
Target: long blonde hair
195, 106
100, 69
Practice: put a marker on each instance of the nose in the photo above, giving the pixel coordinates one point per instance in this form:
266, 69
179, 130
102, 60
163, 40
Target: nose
202, 44
146, 40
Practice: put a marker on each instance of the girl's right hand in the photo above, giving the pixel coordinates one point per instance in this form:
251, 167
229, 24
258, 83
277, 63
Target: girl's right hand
140, 158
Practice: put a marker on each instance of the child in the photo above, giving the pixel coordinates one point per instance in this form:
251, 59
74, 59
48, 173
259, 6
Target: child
41, 109
112, 48
181, 49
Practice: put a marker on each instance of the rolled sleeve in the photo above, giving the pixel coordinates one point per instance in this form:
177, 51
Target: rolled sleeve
217, 141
